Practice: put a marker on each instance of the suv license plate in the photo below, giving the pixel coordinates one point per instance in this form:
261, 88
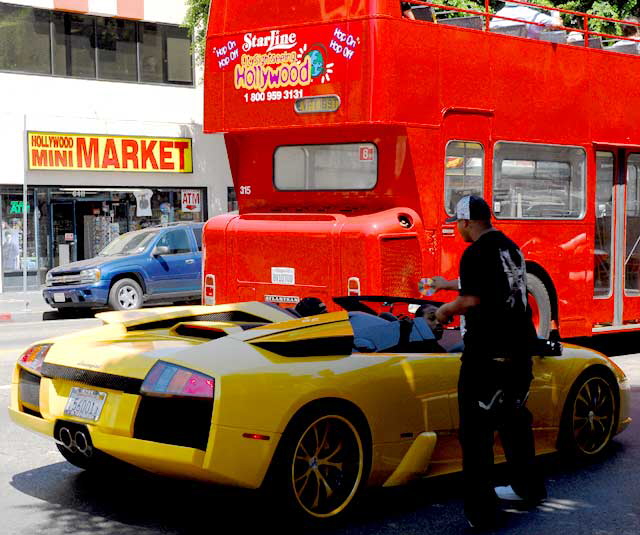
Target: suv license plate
85, 404
59, 297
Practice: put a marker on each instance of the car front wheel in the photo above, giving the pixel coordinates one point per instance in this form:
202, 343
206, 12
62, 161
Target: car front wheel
125, 294
589, 417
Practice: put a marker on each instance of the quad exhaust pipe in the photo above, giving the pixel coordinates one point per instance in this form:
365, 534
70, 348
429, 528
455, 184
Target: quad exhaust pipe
77, 441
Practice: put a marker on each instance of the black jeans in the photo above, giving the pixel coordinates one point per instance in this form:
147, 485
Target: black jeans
492, 396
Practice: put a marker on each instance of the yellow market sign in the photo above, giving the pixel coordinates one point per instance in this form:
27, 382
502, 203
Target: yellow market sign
86, 152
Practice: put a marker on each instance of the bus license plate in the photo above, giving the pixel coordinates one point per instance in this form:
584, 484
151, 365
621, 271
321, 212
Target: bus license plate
85, 404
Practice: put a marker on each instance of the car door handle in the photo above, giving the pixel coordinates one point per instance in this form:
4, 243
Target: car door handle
190, 261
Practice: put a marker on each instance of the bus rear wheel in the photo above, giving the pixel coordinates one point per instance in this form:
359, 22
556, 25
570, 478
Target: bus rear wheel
540, 304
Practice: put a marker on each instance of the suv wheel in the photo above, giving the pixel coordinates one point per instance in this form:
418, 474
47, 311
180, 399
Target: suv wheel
125, 294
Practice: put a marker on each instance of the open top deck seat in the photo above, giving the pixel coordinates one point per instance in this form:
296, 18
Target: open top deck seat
554, 36
518, 29
594, 42
475, 22
624, 48
423, 13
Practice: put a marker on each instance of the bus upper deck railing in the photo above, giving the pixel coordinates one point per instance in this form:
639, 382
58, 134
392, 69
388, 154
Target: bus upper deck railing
580, 36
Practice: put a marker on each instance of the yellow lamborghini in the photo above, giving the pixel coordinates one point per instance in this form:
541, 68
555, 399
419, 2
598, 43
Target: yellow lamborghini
321, 406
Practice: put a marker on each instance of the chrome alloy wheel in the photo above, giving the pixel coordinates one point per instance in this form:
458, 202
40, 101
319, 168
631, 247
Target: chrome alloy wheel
327, 466
128, 297
593, 415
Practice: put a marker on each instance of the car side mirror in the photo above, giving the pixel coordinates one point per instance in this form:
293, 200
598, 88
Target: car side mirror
549, 348
159, 250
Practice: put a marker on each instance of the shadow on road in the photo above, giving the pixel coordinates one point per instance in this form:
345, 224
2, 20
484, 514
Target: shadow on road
128, 501
51, 315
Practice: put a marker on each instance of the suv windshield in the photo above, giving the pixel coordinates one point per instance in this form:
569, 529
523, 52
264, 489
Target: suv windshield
129, 243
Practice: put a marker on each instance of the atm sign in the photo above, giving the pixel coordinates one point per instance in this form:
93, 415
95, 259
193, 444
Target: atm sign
191, 200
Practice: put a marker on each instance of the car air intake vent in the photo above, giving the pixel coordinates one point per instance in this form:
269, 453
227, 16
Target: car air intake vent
29, 388
177, 421
88, 377
210, 333
234, 316
314, 347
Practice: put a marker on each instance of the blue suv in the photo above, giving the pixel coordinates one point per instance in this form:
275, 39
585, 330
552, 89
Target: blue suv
153, 264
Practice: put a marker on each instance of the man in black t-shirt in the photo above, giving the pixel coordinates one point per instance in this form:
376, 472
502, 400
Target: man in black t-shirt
499, 340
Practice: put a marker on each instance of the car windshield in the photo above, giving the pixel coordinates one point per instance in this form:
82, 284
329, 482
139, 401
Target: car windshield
129, 243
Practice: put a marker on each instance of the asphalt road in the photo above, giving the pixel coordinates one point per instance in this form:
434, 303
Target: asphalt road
40, 492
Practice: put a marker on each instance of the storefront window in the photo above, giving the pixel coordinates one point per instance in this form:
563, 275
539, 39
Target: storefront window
12, 208
85, 221
69, 224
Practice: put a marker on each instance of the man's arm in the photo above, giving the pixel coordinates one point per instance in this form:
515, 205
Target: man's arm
440, 283
552, 22
458, 306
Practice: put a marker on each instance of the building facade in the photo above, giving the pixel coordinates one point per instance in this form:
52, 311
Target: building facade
100, 130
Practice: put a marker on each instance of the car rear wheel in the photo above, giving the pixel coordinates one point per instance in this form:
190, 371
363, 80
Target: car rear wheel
125, 294
589, 417
322, 466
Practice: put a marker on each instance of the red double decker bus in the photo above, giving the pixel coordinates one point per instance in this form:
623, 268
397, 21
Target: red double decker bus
352, 131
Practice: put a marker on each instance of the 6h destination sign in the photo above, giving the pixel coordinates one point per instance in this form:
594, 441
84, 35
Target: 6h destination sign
86, 152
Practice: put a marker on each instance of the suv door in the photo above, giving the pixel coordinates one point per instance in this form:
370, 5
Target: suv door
178, 271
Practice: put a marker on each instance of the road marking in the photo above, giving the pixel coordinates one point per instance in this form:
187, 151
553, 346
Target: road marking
5, 387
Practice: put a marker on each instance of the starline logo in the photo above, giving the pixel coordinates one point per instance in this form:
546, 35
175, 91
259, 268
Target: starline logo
273, 41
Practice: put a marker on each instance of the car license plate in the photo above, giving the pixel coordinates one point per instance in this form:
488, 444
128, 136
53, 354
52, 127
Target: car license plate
85, 404
59, 297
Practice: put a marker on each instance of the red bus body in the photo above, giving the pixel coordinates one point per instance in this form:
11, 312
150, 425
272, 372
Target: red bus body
409, 88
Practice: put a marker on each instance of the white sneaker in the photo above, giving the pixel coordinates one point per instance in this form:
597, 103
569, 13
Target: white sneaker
508, 494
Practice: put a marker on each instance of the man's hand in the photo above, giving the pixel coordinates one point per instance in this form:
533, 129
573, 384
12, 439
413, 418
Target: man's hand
440, 283
443, 315
458, 306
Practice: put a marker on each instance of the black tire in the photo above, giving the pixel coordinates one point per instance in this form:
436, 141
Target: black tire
125, 294
94, 461
589, 417
540, 304
321, 465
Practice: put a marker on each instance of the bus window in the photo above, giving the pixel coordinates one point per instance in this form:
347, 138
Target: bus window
346, 166
463, 172
533, 181
632, 258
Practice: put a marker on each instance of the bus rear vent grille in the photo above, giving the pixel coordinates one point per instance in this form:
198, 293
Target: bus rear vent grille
401, 266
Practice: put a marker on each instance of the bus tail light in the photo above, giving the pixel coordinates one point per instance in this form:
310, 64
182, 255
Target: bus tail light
353, 286
210, 290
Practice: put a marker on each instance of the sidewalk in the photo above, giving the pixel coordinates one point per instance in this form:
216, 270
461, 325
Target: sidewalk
22, 307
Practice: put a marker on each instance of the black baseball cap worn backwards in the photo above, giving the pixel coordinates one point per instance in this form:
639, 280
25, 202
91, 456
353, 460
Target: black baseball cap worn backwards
471, 207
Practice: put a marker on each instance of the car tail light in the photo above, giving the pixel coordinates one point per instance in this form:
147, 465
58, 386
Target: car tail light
210, 290
167, 380
353, 286
33, 357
